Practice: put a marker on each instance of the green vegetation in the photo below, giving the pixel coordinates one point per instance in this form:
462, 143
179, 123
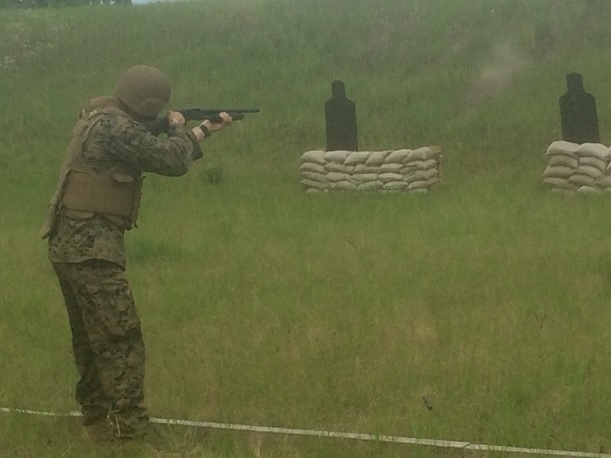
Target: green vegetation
265, 306
59, 3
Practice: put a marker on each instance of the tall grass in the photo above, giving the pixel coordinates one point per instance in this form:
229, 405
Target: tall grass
262, 305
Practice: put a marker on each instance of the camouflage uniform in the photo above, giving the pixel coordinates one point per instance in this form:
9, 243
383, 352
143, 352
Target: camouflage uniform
87, 252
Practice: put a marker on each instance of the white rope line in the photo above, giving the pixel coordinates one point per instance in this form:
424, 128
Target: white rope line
341, 435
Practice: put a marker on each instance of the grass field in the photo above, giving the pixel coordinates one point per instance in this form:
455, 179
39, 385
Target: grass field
265, 306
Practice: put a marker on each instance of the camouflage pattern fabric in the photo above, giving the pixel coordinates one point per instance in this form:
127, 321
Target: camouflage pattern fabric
118, 140
88, 256
107, 344
76, 240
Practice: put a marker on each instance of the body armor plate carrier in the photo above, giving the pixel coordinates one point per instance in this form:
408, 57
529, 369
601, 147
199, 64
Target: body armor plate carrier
82, 192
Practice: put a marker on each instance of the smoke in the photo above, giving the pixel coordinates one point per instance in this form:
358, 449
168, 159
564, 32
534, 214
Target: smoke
495, 75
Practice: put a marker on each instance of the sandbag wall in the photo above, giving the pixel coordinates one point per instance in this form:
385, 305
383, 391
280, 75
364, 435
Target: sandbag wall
579, 168
403, 170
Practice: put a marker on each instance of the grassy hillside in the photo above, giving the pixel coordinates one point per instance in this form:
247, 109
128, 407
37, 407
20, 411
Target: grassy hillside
264, 306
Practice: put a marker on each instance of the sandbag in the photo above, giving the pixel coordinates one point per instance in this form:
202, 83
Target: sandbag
315, 156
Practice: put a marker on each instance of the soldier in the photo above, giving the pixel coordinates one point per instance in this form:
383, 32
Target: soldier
96, 201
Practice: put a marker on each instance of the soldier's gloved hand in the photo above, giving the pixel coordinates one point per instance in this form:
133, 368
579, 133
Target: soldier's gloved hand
206, 128
175, 117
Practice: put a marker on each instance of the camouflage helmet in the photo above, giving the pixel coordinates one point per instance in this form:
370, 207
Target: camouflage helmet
145, 90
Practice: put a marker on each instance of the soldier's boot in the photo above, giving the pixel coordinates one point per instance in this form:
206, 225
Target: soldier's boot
98, 431
93, 414
150, 438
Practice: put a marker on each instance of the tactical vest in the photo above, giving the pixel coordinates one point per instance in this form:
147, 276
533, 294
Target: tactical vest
82, 192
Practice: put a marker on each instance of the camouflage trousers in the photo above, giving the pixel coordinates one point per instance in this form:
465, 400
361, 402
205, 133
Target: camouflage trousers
107, 344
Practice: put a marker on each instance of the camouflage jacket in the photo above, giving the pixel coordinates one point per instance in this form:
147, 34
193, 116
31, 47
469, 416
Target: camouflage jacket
118, 139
